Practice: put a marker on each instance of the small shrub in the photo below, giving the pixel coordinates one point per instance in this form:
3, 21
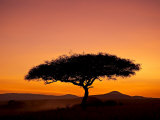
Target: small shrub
93, 101
110, 103
14, 104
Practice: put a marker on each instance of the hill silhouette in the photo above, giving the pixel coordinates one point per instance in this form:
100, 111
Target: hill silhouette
117, 95
26, 96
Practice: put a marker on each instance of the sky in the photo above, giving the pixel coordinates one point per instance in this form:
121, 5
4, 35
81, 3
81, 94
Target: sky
34, 31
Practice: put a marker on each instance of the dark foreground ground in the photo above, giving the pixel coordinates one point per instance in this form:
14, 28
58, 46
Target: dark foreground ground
140, 109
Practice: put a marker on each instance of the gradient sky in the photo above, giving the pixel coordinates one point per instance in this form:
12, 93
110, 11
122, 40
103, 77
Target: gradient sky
33, 31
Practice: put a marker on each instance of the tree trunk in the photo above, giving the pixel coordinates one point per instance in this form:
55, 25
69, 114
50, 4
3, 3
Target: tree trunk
84, 100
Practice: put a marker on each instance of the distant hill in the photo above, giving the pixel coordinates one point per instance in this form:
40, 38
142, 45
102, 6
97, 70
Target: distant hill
27, 96
117, 95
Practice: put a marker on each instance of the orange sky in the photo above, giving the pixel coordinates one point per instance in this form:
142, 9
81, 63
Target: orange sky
33, 31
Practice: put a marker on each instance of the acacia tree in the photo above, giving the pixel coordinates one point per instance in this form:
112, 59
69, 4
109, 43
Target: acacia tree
83, 69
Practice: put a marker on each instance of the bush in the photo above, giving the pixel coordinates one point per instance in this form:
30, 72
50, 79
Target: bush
110, 103
14, 104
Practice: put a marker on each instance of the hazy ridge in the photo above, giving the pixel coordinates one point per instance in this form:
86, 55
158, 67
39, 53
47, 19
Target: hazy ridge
27, 96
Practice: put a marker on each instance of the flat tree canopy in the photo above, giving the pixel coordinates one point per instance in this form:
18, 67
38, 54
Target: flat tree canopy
83, 69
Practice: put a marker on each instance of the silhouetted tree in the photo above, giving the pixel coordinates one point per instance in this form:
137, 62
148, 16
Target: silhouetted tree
83, 69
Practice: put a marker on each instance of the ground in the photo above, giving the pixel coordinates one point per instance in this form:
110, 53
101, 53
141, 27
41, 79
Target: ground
138, 109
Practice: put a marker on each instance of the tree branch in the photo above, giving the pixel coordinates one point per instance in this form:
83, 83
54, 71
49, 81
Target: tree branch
75, 83
90, 83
